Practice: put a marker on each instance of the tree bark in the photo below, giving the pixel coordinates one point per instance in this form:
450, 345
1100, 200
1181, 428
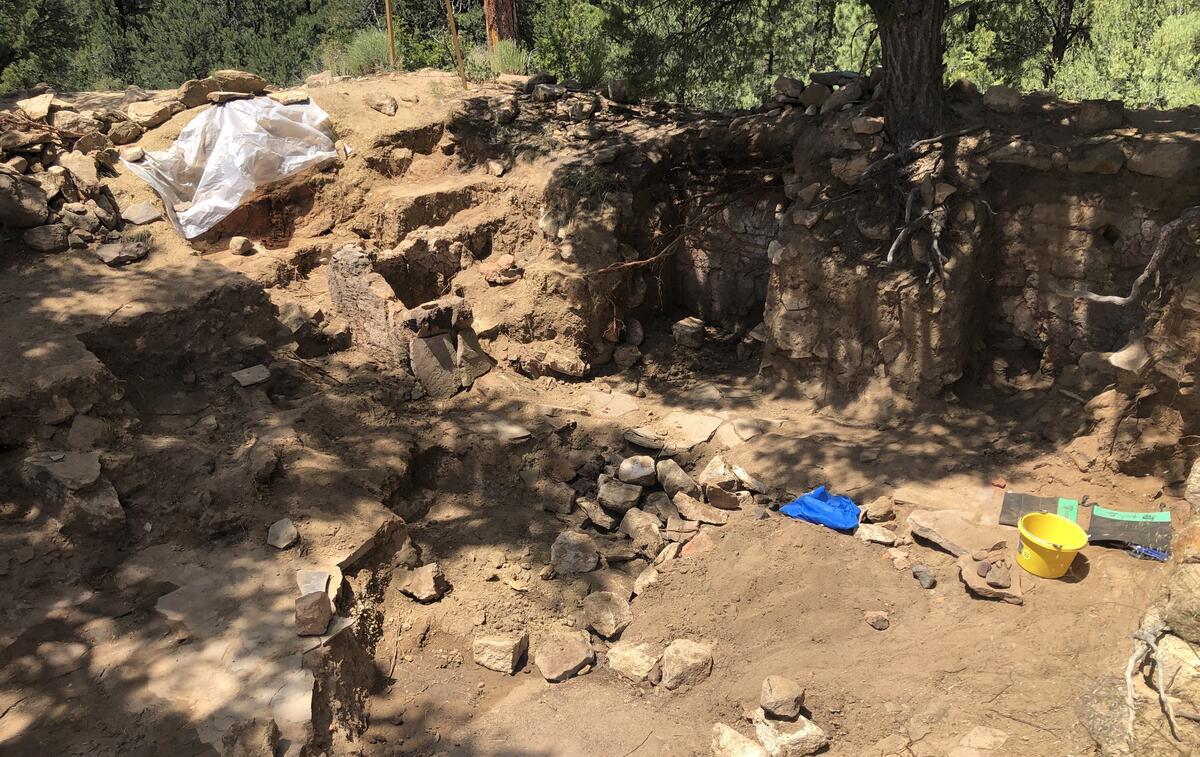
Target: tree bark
500, 18
914, 46
1064, 28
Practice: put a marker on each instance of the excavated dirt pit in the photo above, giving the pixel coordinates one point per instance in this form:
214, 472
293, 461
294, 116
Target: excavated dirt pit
161, 635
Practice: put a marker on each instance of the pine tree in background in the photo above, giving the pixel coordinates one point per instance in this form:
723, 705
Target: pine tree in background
37, 38
179, 40
102, 61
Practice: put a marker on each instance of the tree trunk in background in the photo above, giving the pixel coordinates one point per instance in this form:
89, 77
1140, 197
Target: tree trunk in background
1064, 29
914, 45
500, 17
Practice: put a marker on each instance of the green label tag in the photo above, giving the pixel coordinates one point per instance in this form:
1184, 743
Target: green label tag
1104, 512
1068, 508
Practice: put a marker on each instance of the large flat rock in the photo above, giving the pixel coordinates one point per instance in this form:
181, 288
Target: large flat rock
952, 532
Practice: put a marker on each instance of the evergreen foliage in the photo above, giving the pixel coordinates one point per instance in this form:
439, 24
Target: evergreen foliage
719, 53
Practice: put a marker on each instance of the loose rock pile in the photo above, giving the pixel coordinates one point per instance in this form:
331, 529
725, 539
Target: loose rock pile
779, 725
53, 155
830, 91
644, 513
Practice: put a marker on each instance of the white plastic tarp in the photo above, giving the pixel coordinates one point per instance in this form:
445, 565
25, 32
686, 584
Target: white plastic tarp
227, 151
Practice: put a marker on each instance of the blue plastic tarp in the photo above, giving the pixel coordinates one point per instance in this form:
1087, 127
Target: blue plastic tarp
825, 509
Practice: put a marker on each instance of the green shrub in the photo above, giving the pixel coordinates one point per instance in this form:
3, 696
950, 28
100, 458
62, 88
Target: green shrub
509, 57
367, 53
478, 63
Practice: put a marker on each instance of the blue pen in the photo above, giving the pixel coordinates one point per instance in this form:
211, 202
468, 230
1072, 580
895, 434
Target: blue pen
1147, 553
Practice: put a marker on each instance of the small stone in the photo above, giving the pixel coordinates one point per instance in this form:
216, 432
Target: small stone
753, 483
788, 739
615, 581
669, 552
194, 92
643, 529
722, 499
686, 662
693, 509
233, 80
124, 132
595, 513
87, 433
924, 575
999, 577
877, 619
606, 613
289, 97
899, 558
634, 660
54, 237
879, 510
141, 213
282, 534
94, 511
727, 742
873, 534
638, 470
544, 93
220, 97
432, 362
425, 584
781, 697
150, 113
500, 653
385, 104
561, 655
1002, 98
689, 332
674, 480
62, 472
718, 474
977, 585
660, 505
617, 495
313, 613
645, 580
814, 96
867, 124
241, 246
58, 411
115, 254
573, 552
255, 374
556, 497
702, 542
626, 356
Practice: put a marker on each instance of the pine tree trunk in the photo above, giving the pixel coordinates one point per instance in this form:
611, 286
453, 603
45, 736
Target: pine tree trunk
914, 46
500, 18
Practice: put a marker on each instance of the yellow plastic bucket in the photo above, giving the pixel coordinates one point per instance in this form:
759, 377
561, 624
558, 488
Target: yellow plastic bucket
1049, 543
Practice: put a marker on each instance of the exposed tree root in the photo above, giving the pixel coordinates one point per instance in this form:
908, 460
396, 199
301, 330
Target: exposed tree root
1166, 239
1146, 646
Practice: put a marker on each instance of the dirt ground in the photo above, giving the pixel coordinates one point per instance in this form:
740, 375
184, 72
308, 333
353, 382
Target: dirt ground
94, 659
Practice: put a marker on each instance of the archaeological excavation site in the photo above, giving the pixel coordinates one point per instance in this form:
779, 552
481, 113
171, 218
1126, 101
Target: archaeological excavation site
391, 416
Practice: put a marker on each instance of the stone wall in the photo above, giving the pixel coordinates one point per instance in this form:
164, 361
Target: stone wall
1051, 196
